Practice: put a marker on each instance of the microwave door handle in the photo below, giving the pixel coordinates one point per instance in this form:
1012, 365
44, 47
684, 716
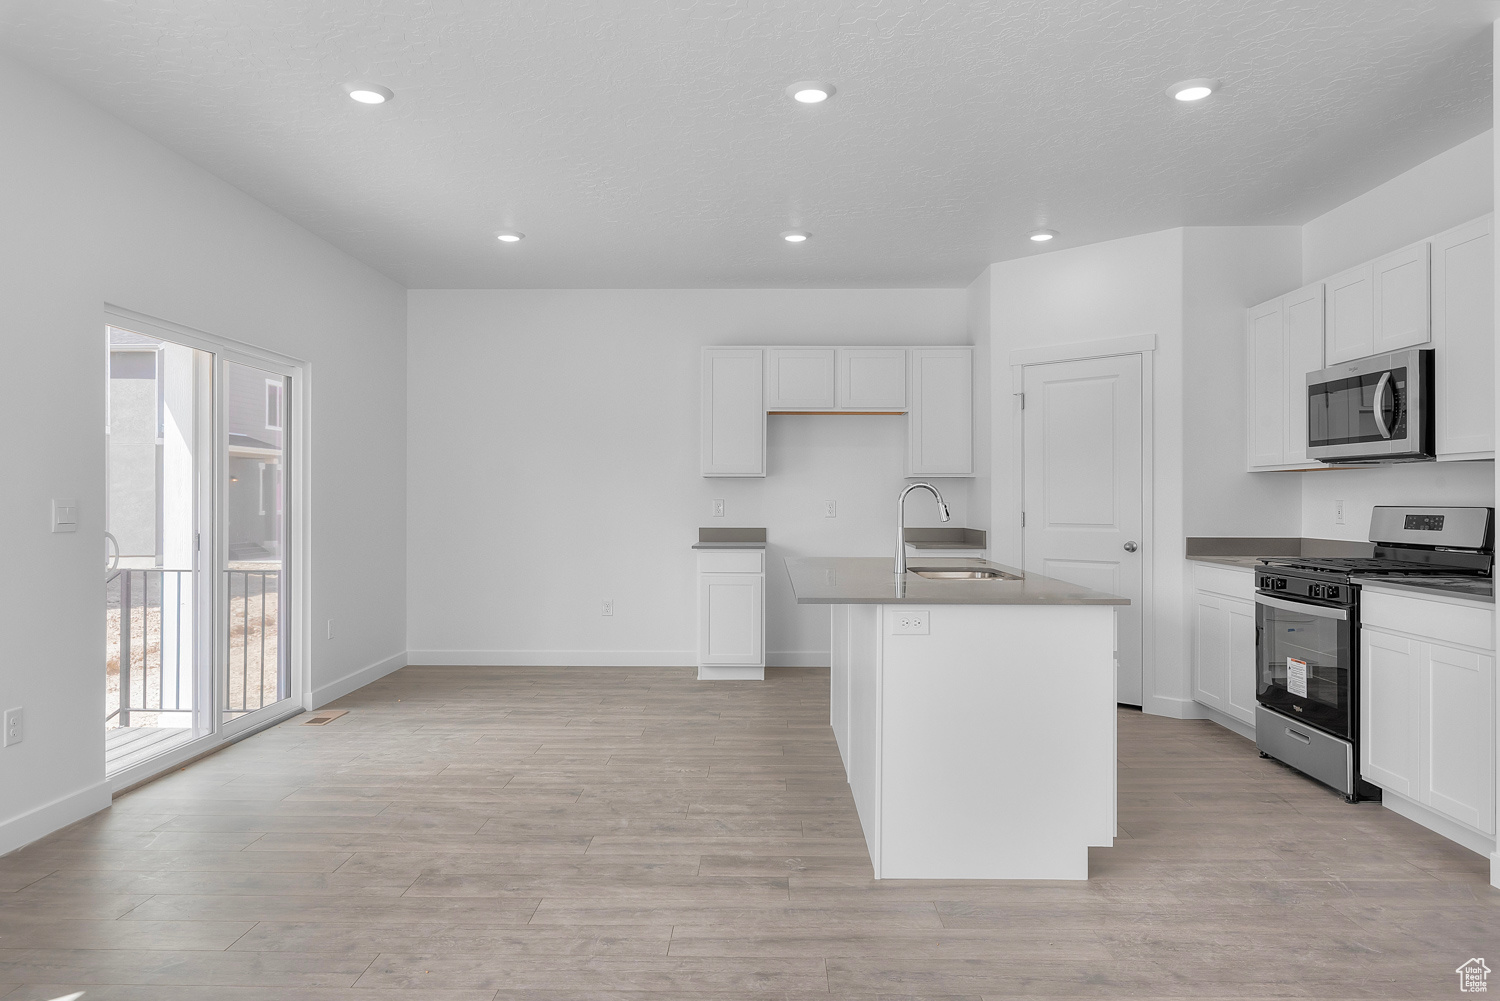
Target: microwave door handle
1385, 380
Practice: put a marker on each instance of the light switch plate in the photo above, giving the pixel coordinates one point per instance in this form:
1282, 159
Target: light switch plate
911, 622
64, 515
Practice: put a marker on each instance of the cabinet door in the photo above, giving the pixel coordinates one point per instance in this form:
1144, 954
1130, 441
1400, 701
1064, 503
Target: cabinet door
940, 425
733, 425
1211, 654
1266, 385
1389, 717
1463, 336
799, 379
872, 378
730, 621
1243, 672
1458, 735
1351, 315
1403, 299
1303, 313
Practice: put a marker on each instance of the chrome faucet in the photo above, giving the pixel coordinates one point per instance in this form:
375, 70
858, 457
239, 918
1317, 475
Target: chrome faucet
901, 522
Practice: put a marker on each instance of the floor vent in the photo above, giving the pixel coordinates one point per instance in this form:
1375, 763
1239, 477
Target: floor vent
324, 718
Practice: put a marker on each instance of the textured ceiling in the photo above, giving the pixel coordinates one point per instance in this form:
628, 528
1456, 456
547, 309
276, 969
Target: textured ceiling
650, 144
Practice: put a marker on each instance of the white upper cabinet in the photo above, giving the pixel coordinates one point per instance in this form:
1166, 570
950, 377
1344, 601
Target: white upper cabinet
872, 378
940, 430
1285, 342
800, 379
1403, 299
1304, 354
1267, 386
1351, 314
934, 387
733, 429
1463, 339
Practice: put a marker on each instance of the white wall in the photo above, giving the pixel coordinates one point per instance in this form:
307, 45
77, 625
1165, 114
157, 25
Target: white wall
1226, 270
95, 213
553, 464
980, 501
1120, 288
1451, 188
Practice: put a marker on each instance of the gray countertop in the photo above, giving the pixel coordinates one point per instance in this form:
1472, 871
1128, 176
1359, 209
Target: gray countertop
1481, 591
938, 539
731, 538
868, 580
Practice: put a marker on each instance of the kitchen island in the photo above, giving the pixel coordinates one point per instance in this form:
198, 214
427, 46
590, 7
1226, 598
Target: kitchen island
975, 718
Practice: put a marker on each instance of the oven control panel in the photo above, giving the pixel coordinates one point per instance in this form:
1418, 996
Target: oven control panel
1299, 587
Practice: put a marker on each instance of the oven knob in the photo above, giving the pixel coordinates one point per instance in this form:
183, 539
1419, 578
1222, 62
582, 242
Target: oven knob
1315, 590
1279, 584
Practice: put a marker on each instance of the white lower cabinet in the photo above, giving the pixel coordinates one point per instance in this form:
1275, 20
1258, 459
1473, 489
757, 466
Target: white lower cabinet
1223, 616
1427, 709
731, 615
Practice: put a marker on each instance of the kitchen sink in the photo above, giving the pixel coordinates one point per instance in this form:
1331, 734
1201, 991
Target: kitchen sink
962, 573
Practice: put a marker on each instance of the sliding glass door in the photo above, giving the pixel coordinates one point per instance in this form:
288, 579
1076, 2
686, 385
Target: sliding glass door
256, 676
199, 524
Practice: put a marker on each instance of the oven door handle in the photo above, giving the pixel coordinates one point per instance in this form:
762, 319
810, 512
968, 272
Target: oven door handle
1385, 380
1305, 608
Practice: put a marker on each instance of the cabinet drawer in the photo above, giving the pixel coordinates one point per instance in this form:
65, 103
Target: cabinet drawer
732, 561
1232, 581
1442, 621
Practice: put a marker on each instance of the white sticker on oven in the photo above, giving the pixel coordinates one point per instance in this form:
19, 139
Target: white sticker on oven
1296, 676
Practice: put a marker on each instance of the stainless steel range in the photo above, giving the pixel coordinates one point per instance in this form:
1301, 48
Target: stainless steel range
1307, 632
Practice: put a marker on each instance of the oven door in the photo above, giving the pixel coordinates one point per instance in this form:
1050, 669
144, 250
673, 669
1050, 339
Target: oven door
1306, 660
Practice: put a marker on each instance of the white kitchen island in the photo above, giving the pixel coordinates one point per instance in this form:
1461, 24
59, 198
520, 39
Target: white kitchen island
984, 746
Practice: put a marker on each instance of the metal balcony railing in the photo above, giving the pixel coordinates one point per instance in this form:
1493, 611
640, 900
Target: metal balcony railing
151, 672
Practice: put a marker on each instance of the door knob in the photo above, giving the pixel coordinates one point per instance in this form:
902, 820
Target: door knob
1130, 547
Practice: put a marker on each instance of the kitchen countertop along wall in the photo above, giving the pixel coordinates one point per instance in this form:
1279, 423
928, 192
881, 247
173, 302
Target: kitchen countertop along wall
1247, 551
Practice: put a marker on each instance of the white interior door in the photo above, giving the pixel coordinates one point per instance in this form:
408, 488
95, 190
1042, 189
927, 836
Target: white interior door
1083, 500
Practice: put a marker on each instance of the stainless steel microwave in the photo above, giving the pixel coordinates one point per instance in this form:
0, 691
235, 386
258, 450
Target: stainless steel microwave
1376, 409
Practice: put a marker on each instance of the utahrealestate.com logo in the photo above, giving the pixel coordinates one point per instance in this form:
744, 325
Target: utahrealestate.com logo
1471, 976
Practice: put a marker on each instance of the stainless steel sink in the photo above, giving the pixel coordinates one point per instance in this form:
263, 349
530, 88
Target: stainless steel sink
962, 573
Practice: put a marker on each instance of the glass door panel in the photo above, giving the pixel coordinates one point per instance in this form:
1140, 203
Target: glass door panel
256, 660
156, 431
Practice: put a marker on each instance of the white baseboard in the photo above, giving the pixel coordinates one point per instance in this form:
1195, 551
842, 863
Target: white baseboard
720, 673
53, 816
1437, 823
355, 680
552, 658
797, 658
1246, 730
1173, 708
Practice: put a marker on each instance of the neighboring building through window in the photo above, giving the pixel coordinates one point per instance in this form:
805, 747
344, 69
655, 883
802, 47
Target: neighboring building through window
273, 404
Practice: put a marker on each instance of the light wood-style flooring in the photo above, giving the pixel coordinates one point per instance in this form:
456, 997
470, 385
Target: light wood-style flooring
498, 834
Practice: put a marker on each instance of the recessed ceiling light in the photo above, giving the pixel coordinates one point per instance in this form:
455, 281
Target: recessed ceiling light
1042, 235
369, 93
511, 236
796, 236
811, 92
1192, 90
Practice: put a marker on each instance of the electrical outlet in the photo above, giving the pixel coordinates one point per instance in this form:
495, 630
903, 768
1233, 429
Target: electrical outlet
15, 726
830, 509
1338, 512
330, 629
719, 507
910, 622
609, 607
